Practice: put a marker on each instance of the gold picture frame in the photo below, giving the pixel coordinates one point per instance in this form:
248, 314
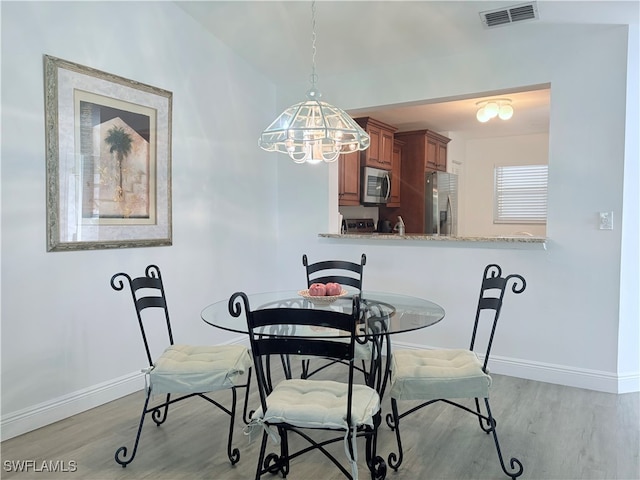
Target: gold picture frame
108, 155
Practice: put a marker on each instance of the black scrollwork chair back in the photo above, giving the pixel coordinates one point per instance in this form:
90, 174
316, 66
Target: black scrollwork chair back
304, 406
348, 274
431, 376
338, 271
186, 370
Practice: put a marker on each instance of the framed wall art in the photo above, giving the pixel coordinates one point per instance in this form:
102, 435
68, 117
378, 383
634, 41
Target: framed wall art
108, 154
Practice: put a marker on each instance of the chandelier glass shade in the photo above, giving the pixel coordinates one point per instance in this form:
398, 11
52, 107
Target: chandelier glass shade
313, 131
488, 109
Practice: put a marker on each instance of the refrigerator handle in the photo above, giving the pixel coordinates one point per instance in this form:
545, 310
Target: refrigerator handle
449, 216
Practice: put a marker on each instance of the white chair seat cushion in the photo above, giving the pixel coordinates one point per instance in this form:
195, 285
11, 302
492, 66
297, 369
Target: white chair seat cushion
198, 369
433, 374
319, 404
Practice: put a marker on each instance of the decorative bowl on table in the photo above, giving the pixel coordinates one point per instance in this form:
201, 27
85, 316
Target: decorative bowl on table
322, 300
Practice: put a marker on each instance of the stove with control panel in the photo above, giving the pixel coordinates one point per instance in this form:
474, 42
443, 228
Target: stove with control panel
358, 225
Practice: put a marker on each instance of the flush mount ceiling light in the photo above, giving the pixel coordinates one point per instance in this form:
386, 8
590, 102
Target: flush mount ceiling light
499, 107
314, 131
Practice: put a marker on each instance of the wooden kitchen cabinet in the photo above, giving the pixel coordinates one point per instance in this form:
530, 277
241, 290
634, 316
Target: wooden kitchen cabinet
380, 151
422, 151
349, 179
396, 174
436, 154
386, 148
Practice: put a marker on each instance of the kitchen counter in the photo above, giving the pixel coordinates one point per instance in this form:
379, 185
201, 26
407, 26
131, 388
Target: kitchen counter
491, 242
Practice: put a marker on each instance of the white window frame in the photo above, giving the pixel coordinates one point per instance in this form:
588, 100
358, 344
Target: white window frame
520, 194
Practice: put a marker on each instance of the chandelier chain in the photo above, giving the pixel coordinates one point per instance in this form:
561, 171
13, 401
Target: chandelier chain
313, 131
314, 77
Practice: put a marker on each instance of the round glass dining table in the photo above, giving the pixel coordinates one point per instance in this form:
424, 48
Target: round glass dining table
382, 313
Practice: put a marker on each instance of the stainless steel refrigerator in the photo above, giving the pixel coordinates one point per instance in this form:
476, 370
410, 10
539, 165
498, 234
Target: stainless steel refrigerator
441, 204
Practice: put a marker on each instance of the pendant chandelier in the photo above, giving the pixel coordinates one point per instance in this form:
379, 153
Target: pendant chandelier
313, 131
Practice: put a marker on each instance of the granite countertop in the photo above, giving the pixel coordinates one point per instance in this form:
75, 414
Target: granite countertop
438, 238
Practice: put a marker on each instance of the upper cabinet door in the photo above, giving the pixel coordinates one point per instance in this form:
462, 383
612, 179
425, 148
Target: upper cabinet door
436, 151
386, 149
372, 154
431, 159
380, 151
396, 169
442, 157
349, 179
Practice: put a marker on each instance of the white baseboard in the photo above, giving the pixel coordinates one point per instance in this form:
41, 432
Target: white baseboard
558, 374
46, 413
36, 416
629, 382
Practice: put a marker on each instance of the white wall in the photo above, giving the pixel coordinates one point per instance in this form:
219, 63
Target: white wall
243, 218
564, 328
68, 340
629, 328
477, 182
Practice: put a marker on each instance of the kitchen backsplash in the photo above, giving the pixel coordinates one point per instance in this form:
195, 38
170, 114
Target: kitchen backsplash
360, 212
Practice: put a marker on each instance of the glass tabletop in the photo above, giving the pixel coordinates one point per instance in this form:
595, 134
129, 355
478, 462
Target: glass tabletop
382, 312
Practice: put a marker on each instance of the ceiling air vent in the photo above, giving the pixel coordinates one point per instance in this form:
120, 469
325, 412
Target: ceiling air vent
504, 16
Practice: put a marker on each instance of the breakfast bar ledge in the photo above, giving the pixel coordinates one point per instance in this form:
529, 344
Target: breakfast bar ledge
512, 242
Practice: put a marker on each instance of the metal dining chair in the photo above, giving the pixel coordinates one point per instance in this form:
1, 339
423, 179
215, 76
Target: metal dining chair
347, 274
186, 370
305, 406
431, 376
338, 271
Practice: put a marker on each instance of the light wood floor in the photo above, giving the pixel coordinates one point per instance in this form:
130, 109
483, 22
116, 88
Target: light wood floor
557, 432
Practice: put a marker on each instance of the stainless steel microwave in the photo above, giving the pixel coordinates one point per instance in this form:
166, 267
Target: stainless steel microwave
375, 186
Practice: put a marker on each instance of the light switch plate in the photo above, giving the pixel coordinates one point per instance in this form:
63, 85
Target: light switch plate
606, 220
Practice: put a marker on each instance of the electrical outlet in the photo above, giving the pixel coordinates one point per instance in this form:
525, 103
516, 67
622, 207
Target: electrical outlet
606, 220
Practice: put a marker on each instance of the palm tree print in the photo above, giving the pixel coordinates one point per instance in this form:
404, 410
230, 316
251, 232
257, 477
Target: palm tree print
120, 143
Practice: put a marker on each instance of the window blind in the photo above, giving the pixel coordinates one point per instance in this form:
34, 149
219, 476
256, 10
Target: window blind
520, 194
